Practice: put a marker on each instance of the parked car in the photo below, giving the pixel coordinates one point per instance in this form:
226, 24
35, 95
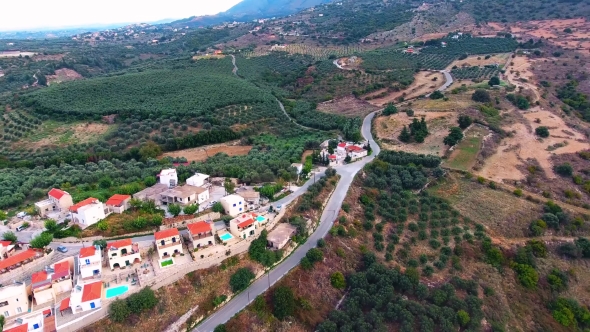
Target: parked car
62, 249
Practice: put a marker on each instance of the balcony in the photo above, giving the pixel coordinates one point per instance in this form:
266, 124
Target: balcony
169, 244
202, 236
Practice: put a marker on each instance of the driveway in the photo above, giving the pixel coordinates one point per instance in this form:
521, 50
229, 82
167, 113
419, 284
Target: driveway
347, 174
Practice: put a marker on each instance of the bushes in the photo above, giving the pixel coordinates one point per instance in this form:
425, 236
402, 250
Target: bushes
542, 131
568, 312
41, 241
283, 302
455, 135
261, 254
337, 280
481, 96
190, 209
564, 169
464, 121
518, 100
494, 81
418, 131
174, 209
437, 95
136, 303
241, 279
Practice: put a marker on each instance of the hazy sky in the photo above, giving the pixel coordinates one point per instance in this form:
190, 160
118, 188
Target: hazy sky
34, 14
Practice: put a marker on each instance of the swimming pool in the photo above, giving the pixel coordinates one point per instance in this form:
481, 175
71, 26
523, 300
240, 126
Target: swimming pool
116, 291
260, 219
226, 237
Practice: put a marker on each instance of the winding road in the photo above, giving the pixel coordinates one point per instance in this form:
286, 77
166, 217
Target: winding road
347, 174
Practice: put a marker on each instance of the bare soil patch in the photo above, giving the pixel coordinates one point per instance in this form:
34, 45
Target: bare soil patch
13, 54
480, 60
305, 154
348, 106
49, 57
202, 153
424, 83
456, 102
63, 75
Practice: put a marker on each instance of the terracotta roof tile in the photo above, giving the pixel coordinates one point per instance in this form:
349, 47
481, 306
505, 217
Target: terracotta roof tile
166, 233
18, 258
57, 193
117, 199
87, 251
89, 200
199, 227
246, 223
92, 291
120, 243
65, 303
21, 328
38, 277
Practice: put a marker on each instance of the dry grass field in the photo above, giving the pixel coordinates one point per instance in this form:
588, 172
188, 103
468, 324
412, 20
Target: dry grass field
202, 153
424, 83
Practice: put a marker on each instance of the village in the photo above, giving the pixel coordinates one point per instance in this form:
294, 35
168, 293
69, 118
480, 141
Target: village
57, 287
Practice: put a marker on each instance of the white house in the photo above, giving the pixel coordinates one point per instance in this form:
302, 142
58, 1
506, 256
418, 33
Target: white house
86, 297
123, 253
298, 167
233, 204
184, 195
90, 263
168, 242
88, 212
355, 152
197, 180
201, 234
169, 177
14, 299
341, 147
118, 203
243, 226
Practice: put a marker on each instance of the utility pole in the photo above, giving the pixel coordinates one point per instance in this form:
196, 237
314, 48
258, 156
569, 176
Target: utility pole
268, 274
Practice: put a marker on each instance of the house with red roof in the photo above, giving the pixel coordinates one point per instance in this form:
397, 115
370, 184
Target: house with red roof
41, 287
86, 297
18, 328
341, 147
90, 263
7, 249
118, 203
243, 226
49, 283
168, 243
122, 253
57, 201
88, 212
14, 299
356, 152
201, 233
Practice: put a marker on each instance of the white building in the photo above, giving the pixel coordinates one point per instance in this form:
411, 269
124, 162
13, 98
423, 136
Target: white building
197, 180
86, 297
123, 253
168, 177
184, 195
201, 234
355, 152
233, 205
168, 243
341, 148
90, 263
88, 212
57, 200
243, 226
14, 299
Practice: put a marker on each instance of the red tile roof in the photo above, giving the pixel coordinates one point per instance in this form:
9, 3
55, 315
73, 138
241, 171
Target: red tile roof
120, 243
38, 277
166, 233
87, 251
246, 223
332, 156
18, 258
117, 199
89, 200
21, 328
60, 270
354, 148
342, 145
65, 303
92, 291
199, 227
57, 193
5, 243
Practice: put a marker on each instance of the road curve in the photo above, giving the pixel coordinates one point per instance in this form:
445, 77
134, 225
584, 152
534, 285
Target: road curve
347, 174
448, 80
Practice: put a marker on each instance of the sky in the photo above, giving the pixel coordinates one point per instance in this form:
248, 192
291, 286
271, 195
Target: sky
42, 14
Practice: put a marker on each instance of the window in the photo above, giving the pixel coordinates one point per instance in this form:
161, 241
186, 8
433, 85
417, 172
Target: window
240, 209
234, 204
162, 242
92, 305
19, 310
3, 303
114, 254
6, 314
87, 261
173, 240
35, 326
240, 203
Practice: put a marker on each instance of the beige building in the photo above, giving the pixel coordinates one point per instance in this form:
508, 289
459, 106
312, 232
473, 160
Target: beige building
201, 233
168, 242
118, 203
243, 226
152, 193
197, 180
233, 204
251, 199
123, 253
14, 299
184, 195
57, 201
280, 236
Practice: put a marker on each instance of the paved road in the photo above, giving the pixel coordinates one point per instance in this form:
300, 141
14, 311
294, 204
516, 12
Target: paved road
347, 174
448, 80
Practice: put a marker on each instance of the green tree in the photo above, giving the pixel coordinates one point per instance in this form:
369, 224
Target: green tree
241, 279
149, 150
42, 240
191, 209
174, 209
494, 81
337, 280
455, 135
405, 136
229, 186
217, 207
481, 96
101, 243
143, 300
390, 109
463, 317
9, 236
284, 302
564, 169
527, 275
315, 255
542, 131
119, 311
437, 95
465, 121
220, 328
102, 225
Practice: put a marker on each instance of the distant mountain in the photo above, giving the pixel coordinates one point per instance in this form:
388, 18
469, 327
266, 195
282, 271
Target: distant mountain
252, 9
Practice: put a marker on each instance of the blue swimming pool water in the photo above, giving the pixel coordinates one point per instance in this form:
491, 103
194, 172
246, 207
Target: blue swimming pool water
226, 237
260, 219
116, 291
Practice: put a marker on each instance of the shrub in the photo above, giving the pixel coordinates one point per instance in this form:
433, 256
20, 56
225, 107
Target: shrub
314, 255
143, 300
220, 328
321, 243
527, 275
337, 280
9, 236
41, 241
463, 317
241, 279
174, 209
517, 192
455, 135
465, 121
542, 131
564, 169
481, 96
283, 302
437, 95
191, 209
217, 207
494, 81
119, 311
